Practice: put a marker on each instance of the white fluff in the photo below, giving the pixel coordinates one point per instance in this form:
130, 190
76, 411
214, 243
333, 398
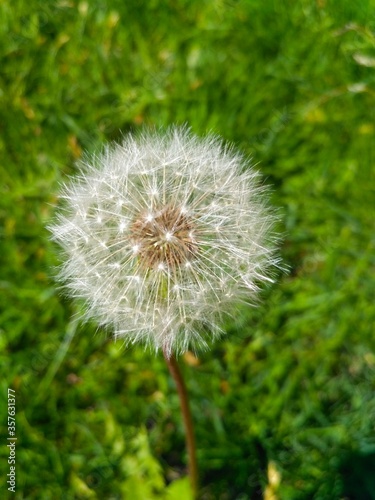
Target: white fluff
175, 299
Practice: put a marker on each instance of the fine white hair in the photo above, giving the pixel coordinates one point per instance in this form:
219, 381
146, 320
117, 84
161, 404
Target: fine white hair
162, 235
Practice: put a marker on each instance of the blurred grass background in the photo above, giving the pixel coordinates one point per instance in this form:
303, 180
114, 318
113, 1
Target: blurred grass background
284, 406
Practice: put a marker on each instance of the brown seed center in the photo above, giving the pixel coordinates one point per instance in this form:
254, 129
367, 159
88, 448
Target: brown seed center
164, 238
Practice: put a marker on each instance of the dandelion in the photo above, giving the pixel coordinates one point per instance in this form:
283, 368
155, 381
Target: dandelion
164, 234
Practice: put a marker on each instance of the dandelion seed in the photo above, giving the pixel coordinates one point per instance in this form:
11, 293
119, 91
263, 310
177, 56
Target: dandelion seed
173, 232
122, 227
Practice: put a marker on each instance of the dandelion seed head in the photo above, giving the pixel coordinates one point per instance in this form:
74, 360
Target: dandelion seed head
162, 235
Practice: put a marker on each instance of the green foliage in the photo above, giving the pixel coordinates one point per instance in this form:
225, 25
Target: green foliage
290, 389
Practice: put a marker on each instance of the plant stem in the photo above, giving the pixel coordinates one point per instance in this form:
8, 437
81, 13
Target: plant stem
186, 415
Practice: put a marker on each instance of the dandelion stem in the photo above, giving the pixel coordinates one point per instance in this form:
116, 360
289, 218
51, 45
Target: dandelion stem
188, 422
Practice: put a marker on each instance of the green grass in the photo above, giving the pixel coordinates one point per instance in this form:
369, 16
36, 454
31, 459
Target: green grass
291, 386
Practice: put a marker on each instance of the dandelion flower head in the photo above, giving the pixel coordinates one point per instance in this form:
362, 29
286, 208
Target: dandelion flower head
164, 234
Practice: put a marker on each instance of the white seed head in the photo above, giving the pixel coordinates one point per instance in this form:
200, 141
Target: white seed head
162, 235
